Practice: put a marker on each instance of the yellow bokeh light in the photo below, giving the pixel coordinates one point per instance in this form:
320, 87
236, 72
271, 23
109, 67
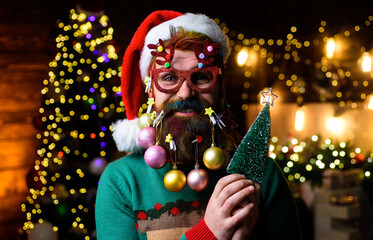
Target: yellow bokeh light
330, 47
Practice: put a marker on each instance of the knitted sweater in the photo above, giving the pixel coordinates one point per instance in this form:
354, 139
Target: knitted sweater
132, 203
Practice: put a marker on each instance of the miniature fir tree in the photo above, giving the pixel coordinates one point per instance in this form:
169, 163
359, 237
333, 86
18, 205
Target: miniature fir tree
252, 152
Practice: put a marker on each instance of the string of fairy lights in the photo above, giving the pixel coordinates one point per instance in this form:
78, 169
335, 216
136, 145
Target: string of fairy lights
301, 159
326, 55
322, 52
71, 65
296, 163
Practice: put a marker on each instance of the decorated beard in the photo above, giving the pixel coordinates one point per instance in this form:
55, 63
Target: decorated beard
185, 129
147, 57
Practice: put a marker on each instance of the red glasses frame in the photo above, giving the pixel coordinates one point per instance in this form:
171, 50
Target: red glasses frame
186, 75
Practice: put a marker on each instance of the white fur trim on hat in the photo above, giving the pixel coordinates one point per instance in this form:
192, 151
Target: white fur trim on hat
189, 22
125, 134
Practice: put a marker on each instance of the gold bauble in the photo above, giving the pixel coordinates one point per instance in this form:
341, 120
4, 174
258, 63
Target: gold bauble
145, 120
174, 180
214, 158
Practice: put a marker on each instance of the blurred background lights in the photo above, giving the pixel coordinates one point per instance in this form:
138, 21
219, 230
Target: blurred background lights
335, 125
366, 62
247, 57
369, 102
299, 120
330, 47
314, 138
242, 57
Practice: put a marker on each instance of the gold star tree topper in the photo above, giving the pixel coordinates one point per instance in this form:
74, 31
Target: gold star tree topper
268, 97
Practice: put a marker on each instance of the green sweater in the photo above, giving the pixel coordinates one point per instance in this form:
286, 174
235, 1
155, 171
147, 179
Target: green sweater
132, 203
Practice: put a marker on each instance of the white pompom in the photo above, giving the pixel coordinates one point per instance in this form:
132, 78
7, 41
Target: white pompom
125, 134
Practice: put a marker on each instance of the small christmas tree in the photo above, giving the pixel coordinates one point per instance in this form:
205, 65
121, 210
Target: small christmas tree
252, 152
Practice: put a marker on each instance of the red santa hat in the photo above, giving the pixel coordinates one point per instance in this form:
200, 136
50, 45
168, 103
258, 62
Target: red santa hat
137, 59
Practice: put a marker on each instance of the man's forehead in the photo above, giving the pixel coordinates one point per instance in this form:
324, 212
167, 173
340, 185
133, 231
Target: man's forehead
183, 59
204, 54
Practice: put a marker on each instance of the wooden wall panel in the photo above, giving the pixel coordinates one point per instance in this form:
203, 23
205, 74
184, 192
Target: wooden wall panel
23, 67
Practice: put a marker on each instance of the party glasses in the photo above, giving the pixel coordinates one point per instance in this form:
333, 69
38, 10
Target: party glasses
169, 80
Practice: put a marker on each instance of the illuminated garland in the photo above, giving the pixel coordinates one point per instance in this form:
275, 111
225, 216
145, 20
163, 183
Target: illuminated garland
327, 63
321, 55
80, 101
307, 159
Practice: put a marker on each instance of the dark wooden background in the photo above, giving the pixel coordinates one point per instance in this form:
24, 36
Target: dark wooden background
23, 66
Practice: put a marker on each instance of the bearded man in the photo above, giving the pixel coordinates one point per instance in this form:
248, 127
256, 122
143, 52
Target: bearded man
180, 58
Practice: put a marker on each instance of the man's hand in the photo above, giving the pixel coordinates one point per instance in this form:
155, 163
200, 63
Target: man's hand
232, 209
244, 229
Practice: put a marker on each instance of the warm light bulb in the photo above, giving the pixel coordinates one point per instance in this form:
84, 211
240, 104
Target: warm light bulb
330, 47
370, 102
299, 120
335, 125
366, 62
242, 57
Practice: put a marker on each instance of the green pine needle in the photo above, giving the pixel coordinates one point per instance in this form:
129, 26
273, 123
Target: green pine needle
252, 153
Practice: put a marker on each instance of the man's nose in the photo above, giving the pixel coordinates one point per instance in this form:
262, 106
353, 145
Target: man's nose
185, 91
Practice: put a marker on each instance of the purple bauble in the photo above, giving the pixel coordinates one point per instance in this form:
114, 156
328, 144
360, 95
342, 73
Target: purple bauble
155, 156
146, 137
198, 179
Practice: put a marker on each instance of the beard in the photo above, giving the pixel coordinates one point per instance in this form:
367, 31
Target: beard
185, 129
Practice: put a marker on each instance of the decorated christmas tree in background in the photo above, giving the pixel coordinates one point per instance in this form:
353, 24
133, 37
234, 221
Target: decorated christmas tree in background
80, 101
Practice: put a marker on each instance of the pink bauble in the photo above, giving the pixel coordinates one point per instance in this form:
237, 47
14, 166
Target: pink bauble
198, 179
155, 156
146, 137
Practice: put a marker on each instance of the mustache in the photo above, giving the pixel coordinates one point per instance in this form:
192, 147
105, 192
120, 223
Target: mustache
180, 105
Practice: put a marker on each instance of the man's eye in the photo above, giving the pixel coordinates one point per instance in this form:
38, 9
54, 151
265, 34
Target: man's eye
169, 79
201, 78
